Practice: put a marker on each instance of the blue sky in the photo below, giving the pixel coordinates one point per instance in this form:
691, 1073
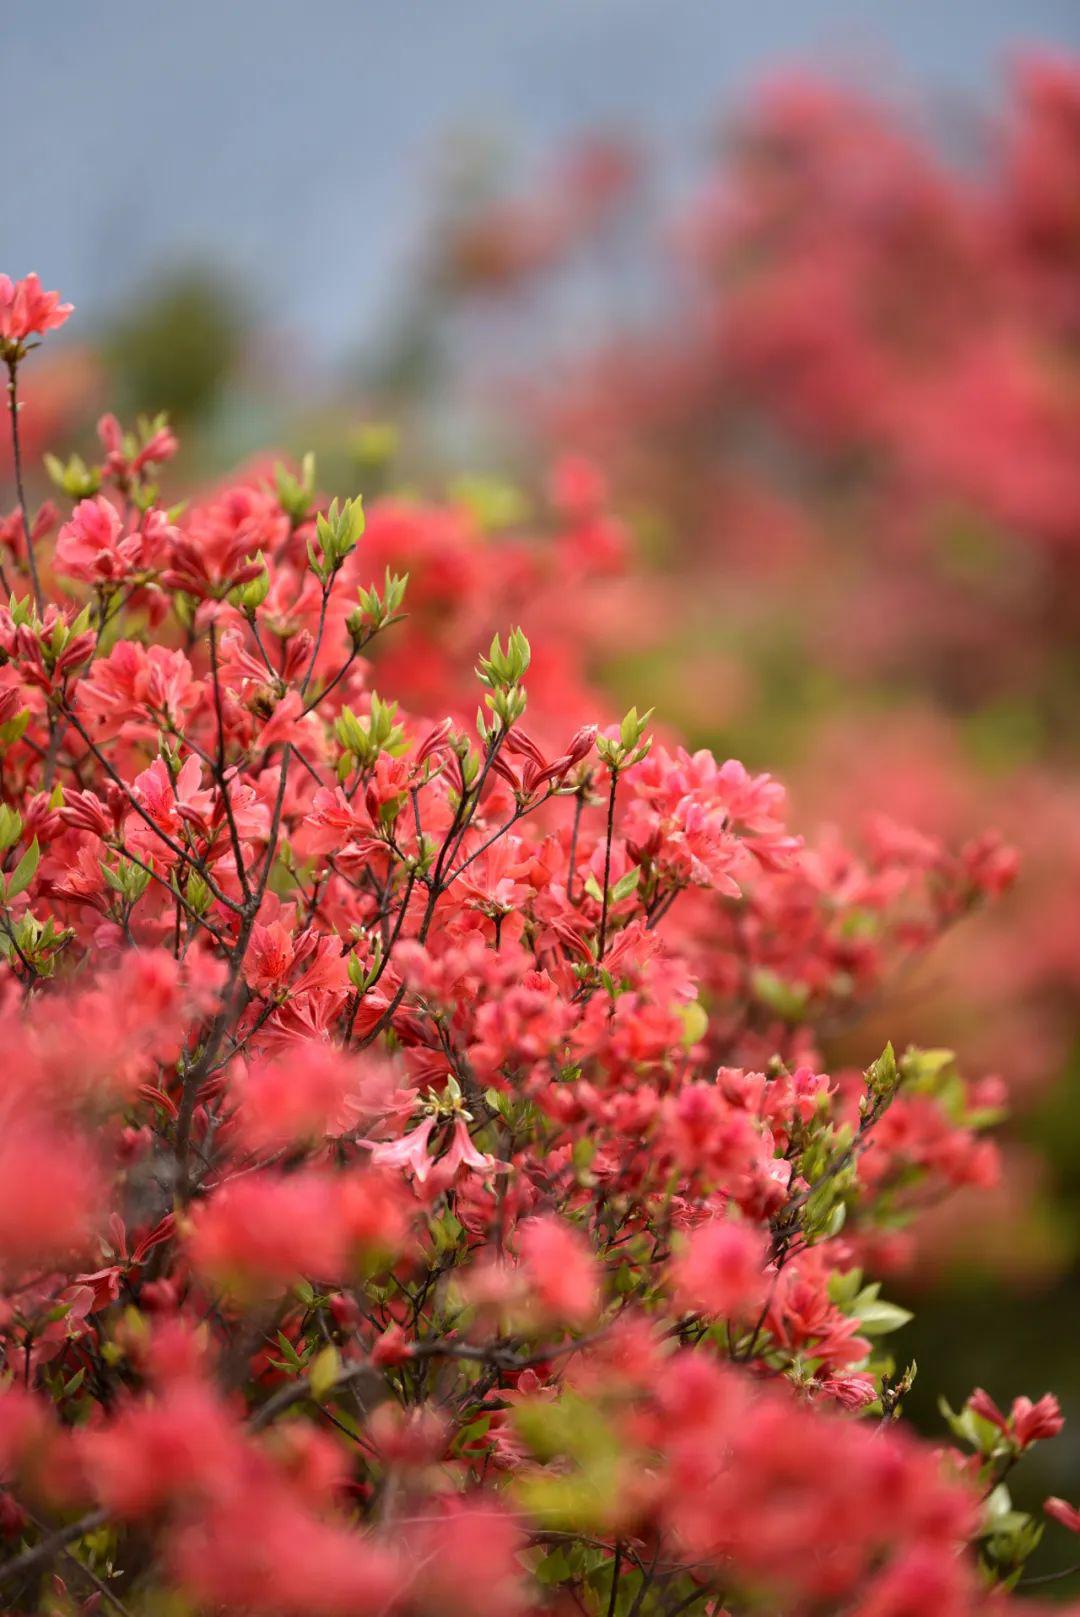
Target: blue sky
294, 142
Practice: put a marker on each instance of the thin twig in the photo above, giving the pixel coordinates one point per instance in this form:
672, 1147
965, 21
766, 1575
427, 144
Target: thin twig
51, 1546
16, 451
607, 865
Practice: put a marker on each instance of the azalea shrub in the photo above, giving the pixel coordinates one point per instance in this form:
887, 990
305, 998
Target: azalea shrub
421, 1191
846, 427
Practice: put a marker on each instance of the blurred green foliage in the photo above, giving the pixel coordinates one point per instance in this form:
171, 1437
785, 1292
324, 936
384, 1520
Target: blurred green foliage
175, 349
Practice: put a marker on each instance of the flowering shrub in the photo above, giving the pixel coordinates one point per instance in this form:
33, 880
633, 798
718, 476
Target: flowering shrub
420, 1188
848, 426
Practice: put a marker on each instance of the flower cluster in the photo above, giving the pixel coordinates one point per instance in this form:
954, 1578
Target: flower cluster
422, 1190
849, 426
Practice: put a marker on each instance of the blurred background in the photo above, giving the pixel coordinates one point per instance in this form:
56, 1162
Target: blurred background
801, 283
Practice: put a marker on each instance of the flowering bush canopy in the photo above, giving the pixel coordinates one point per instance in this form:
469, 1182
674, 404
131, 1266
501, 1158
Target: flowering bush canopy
420, 1191
851, 426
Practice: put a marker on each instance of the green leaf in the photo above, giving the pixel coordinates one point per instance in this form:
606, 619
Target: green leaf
292, 1358
24, 872
786, 1000
324, 1371
111, 877
882, 1076
626, 885
554, 1568
878, 1318
695, 1022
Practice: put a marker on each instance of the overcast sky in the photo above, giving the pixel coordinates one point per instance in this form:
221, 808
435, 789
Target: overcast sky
289, 141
